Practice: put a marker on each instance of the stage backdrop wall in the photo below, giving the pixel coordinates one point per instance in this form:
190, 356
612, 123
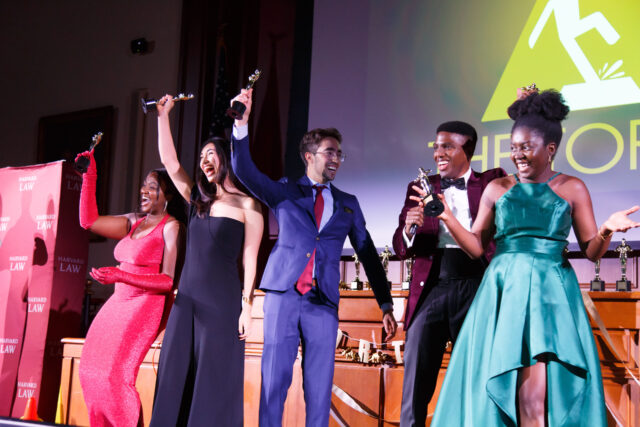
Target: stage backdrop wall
43, 258
387, 73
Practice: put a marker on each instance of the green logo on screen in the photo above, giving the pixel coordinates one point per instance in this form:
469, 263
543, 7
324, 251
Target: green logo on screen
586, 49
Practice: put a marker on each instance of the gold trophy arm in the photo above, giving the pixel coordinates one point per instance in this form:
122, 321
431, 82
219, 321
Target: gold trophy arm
95, 140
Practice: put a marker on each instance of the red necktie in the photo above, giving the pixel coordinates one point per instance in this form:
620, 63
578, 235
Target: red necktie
305, 282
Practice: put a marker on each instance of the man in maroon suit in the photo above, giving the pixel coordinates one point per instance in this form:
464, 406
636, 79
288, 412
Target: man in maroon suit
444, 279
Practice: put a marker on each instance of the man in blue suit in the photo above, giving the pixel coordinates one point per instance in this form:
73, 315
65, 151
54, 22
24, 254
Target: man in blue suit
302, 274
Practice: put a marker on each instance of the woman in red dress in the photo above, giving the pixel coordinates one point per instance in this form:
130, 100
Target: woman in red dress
127, 324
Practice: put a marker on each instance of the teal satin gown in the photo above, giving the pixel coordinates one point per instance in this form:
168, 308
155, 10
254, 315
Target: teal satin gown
528, 308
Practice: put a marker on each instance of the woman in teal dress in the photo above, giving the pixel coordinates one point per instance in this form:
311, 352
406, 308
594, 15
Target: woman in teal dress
526, 354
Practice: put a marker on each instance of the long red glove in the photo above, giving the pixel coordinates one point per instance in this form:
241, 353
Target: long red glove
88, 204
158, 282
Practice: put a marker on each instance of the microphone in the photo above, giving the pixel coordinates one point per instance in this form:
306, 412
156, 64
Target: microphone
82, 164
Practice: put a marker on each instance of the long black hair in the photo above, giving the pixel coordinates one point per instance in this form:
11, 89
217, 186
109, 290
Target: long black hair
176, 206
207, 191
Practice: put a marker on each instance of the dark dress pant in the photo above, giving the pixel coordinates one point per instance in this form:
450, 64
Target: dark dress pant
437, 320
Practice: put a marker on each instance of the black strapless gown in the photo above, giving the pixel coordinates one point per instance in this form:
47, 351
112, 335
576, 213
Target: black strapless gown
201, 370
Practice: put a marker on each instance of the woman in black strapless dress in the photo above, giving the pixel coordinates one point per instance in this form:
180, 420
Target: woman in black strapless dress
201, 371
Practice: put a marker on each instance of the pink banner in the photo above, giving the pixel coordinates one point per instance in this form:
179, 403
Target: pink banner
43, 253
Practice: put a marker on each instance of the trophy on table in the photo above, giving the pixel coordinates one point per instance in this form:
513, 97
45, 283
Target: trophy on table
356, 283
384, 258
597, 284
237, 109
623, 249
432, 205
408, 266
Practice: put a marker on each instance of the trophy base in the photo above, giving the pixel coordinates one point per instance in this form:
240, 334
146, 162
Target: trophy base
237, 110
597, 286
82, 164
356, 285
406, 286
433, 206
148, 105
623, 285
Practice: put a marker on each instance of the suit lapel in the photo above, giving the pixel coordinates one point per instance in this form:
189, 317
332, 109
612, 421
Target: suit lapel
474, 192
337, 204
437, 189
435, 183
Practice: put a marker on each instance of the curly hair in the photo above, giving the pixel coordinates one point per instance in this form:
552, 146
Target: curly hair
541, 112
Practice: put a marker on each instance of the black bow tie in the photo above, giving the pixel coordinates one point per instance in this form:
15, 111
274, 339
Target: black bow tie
448, 182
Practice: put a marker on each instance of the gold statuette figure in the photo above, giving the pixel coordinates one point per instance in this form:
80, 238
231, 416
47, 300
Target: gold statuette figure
623, 249
356, 283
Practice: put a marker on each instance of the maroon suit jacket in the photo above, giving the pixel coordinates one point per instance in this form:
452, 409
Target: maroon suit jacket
425, 242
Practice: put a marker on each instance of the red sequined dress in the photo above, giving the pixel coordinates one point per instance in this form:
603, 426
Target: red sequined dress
121, 334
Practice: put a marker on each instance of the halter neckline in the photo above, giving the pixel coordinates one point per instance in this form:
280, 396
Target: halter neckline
546, 182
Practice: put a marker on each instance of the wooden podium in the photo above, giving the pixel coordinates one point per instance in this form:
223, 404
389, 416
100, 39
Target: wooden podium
72, 406
376, 388
620, 312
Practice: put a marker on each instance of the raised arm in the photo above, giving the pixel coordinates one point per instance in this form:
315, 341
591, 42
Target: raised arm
253, 228
264, 188
594, 241
112, 227
167, 149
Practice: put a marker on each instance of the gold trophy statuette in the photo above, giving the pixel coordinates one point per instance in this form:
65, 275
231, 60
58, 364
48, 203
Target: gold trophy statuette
597, 284
237, 109
623, 249
384, 258
82, 164
408, 266
356, 283
432, 205
151, 104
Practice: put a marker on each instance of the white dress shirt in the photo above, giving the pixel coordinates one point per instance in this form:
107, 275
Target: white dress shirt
240, 132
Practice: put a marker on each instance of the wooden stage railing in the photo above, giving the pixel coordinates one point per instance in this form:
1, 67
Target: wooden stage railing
377, 388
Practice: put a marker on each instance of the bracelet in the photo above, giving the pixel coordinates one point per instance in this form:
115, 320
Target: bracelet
603, 237
246, 300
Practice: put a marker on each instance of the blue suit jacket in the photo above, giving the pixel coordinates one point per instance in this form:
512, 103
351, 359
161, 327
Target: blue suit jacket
292, 204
